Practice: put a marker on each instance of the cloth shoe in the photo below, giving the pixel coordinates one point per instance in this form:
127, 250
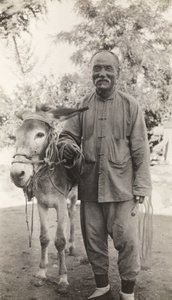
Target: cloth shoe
100, 293
124, 296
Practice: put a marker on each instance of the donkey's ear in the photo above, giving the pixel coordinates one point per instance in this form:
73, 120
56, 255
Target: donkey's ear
19, 114
63, 113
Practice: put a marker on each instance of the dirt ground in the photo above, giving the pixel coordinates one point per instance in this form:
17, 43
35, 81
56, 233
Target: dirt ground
19, 263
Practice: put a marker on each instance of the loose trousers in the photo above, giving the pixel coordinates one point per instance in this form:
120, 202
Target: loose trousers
98, 220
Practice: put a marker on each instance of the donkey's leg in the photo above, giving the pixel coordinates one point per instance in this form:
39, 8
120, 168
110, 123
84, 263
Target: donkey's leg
44, 241
60, 243
71, 213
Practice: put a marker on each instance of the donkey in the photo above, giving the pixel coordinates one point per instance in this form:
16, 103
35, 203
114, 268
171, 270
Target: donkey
39, 171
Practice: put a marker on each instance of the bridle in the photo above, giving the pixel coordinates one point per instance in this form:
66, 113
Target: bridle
46, 165
29, 157
51, 137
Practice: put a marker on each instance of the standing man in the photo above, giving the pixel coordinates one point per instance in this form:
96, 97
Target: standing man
116, 175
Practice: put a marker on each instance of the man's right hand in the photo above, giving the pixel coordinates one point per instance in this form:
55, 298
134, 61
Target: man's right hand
69, 152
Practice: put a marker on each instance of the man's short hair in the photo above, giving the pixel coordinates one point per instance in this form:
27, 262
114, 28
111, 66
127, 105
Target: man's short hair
106, 51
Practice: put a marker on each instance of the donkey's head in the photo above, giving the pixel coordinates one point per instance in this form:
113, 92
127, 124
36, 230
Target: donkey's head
31, 142
32, 139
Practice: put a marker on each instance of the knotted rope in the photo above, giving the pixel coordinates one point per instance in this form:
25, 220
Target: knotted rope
30, 230
51, 160
145, 230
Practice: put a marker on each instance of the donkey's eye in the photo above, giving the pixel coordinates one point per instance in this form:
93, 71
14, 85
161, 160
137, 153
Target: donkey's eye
40, 134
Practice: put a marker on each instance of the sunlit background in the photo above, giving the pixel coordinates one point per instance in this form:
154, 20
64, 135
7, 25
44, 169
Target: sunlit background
45, 47
50, 58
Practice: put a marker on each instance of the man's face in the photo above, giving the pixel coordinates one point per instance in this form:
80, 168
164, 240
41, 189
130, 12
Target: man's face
104, 71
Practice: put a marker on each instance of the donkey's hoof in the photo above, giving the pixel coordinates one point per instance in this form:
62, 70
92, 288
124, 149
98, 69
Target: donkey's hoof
63, 288
39, 281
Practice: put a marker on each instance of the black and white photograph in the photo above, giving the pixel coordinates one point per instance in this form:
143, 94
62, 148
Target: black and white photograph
85, 149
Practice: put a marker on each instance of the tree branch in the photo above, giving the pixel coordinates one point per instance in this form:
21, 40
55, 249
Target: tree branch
18, 54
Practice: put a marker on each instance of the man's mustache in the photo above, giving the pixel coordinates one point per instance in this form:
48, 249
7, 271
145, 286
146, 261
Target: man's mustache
102, 79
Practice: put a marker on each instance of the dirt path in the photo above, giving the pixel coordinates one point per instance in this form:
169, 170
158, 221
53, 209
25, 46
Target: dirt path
19, 263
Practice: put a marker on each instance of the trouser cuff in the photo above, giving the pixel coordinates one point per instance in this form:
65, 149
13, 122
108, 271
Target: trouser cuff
101, 280
127, 286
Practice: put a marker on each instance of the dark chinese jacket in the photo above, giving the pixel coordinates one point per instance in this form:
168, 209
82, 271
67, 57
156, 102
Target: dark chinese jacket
113, 138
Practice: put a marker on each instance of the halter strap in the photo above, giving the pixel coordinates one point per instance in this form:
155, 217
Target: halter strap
29, 157
36, 116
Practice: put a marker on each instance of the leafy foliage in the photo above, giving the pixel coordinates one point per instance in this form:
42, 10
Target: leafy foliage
15, 15
16, 39
137, 32
139, 35
48, 89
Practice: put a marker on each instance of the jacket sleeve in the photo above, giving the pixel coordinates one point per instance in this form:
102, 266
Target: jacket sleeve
71, 134
140, 154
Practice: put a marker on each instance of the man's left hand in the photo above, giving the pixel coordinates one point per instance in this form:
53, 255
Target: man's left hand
139, 199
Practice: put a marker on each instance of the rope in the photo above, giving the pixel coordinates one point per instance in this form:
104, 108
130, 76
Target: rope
30, 230
50, 163
145, 230
51, 160
27, 162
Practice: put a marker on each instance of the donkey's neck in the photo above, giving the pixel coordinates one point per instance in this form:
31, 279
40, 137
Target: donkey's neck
54, 181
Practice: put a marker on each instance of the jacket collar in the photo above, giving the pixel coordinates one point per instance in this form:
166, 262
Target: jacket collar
111, 97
